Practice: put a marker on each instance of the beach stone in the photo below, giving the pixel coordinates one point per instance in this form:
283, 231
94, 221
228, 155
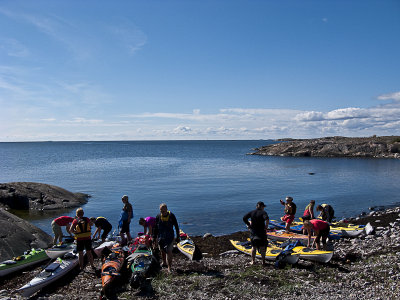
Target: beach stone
38, 196
207, 235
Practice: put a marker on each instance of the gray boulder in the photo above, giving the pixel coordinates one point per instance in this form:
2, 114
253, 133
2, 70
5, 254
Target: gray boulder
38, 196
18, 235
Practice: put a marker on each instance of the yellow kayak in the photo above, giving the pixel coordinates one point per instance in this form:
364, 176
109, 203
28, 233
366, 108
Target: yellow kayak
308, 253
188, 248
270, 254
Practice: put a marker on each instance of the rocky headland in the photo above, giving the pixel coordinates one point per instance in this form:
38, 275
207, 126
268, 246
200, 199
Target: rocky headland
38, 196
18, 235
367, 147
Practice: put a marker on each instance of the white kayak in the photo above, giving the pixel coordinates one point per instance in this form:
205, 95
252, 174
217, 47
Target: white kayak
56, 270
59, 250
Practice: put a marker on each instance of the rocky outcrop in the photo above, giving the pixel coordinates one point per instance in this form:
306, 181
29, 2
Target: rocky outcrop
17, 236
372, 147
38, 196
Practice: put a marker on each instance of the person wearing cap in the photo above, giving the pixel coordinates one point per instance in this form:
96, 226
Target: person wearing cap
258, 226
290, 211
125, 220
327, 212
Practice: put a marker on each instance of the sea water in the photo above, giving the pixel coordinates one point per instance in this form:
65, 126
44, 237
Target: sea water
209, 185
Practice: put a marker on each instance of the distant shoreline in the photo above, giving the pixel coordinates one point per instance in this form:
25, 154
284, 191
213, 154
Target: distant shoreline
362, 147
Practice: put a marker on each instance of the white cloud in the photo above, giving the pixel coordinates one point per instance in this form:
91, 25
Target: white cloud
392, 96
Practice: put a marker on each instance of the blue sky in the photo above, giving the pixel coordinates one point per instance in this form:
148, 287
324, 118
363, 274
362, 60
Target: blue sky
145, 70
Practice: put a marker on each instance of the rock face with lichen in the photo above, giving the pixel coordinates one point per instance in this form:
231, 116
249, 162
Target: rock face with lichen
38, 196
371, 147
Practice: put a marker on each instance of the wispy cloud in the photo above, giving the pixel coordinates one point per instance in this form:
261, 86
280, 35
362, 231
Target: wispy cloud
130, 36
14, 48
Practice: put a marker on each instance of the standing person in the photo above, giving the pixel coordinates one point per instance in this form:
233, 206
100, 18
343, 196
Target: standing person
148, 224
57, 230
83, 235
321, 230
163, 234
258, 225
125, 220
308, 213
327, 212
290, 211
101, 223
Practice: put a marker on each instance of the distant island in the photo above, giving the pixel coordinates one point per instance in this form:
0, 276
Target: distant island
337, 146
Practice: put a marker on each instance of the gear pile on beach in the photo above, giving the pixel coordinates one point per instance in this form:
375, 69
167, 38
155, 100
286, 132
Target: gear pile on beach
363, 267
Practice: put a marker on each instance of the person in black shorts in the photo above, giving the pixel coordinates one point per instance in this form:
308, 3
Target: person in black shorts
258, 225
125, 220
101, 223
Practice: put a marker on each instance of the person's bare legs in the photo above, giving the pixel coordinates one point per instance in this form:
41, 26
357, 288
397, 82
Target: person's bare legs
90, 258
262, 251
81, 257
169, 260
253, 255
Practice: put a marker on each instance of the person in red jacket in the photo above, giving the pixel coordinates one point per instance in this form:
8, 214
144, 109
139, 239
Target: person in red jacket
321, 230
57, 230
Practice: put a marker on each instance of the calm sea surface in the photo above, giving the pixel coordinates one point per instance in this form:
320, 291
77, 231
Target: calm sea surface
209, 185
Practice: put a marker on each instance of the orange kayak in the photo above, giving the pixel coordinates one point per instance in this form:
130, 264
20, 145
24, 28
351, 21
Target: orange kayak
111, 267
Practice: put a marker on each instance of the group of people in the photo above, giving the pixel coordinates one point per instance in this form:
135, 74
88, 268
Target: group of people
257, 222
160, 228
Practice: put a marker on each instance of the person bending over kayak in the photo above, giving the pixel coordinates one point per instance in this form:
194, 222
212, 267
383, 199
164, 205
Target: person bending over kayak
148, 224
83, 235
101, 223
57, 230
258, 225
327, 212
290, 211
321, 230
163, 234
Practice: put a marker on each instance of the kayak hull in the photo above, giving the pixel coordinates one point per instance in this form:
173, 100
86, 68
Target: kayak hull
29, 260
187, 247
271, 254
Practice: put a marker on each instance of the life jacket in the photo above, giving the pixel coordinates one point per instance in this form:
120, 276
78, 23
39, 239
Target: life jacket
306, 210
294, 208
82, 228
291, 210
166, 218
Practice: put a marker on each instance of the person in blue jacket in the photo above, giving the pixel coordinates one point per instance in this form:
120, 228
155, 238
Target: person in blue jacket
125, 220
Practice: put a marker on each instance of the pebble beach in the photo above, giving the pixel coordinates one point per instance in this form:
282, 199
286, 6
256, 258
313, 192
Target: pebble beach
366, 267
